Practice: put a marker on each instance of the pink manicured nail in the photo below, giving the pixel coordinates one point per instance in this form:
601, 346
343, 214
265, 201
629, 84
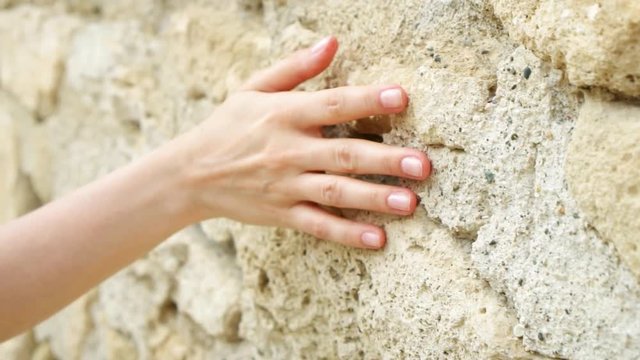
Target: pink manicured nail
411, 166
321, 45
371, 239
391, 98
399, 201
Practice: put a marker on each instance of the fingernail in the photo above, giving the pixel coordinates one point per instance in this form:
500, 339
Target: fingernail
411, 166
371, 239
321, 45
399, 201
391, 98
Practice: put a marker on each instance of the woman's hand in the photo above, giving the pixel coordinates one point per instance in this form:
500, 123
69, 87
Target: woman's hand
261, 158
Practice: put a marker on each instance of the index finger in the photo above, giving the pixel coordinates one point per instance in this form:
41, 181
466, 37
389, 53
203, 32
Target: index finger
297, 68
338, 105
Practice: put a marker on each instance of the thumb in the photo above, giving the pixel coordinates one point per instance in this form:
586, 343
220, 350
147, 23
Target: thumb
297, 68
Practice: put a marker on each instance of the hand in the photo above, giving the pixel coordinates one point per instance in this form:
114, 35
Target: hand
261, 158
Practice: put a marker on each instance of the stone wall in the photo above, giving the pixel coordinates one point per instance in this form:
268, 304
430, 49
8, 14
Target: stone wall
526, 243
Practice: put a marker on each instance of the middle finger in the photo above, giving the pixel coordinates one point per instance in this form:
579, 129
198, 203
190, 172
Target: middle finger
344, 192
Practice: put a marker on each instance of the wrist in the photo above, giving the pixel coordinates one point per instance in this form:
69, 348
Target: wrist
167, 172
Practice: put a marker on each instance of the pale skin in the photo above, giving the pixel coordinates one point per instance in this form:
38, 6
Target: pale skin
260, 158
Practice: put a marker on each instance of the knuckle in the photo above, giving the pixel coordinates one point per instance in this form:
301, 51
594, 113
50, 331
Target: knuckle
318, 228
330, 193
369, 99
334, 103
345, 158
391, 165
283, 218
377, 199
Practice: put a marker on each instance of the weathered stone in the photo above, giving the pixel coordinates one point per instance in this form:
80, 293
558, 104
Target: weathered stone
33, 49
596, 42
67, 330
507, 257
208, 288
302, 296
19, 348
16, 192
603, 172
535, 247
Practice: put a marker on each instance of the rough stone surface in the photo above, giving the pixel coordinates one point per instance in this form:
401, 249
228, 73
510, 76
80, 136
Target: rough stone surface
525, 245
603, 171
595, 41
16, 192
35, 50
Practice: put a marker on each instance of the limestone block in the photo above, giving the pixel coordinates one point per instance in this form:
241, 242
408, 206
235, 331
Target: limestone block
98, 125
603, 172
33, 48
78, 154
458, 194
16, 192
147, 12
508, 256
104, 342
182, 299
194, 33
12, 3
133, 301
19, 348
111, 73
596, 42
132, 318
43, 352
220, 230
36, 161
67, 330
535, 247
208, 288
304, 296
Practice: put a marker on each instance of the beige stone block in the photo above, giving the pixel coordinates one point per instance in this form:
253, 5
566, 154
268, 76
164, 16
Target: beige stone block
497, 263
43, 352
16, 192
68, 329
596, 42
20, 347
208, 288
220, 230
33, 47
603, 172
302, 295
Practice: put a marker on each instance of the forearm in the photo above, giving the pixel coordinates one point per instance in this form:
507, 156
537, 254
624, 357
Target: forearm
56, 253
260, 159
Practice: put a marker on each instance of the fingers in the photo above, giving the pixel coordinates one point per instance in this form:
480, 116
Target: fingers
348, 193
356, 156
323, 225
299, 67
334, 106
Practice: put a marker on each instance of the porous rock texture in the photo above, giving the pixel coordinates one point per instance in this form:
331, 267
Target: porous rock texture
526, 243
595, 41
